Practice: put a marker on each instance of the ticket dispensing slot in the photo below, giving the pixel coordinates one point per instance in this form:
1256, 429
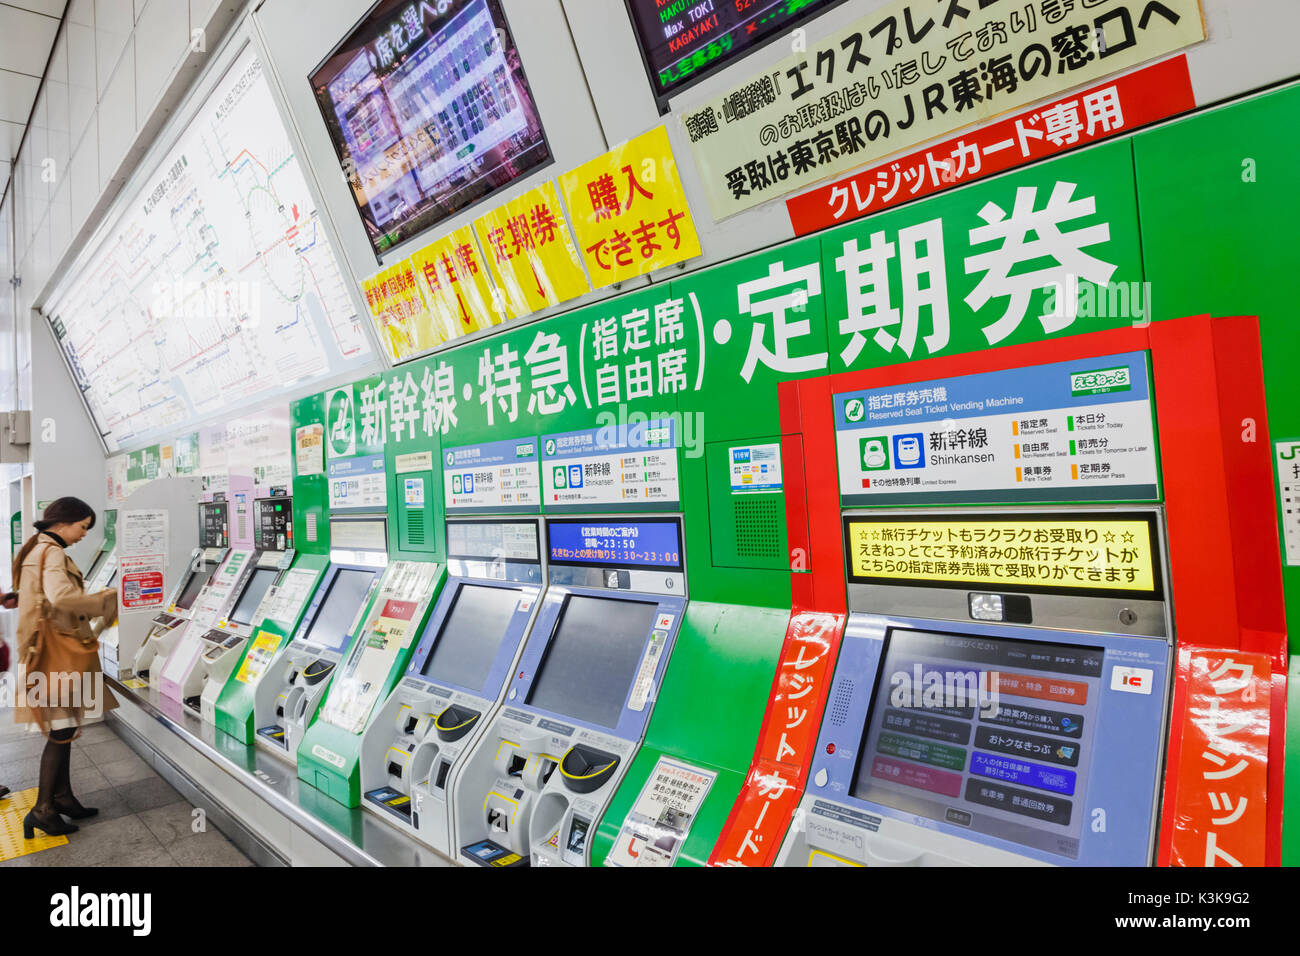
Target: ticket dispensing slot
457, 675
581, 694
1013, 722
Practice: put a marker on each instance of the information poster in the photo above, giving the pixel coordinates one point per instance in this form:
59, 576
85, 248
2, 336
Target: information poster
403, 595
531, 253
258, 658
634, 464
909, 72
629, 210
756, 469
309, 449
141, 559
454, 281
1081, 430
358, 483
1100, 553
283, 602
429, 111
494, 476
1288, 486
400, 314
660, 821
1088, 116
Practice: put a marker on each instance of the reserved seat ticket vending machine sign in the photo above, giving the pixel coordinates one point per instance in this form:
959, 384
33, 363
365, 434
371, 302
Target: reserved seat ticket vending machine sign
1069, 431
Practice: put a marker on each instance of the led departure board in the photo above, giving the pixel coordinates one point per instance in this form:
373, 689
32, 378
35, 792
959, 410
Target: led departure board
683, 41
429, 111
613, 542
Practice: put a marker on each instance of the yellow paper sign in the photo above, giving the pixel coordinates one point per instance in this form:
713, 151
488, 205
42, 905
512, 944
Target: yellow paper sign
455, 284
1087, 554
629, 210
399, 311
258, 657
531, 252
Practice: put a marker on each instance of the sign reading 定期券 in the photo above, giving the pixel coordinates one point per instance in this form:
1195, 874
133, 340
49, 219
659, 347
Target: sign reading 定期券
1080, 430
908, 73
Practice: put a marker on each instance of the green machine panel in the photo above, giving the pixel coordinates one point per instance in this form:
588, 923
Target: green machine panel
311, 532
708, 716
746, 523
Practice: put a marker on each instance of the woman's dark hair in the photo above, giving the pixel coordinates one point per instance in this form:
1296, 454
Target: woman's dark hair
67, 510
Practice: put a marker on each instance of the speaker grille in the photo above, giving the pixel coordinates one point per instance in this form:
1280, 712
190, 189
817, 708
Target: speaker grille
415, 526
758, 526
839, 711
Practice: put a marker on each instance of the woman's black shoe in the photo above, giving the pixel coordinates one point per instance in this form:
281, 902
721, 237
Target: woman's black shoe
71, 807
4, 792
54, 825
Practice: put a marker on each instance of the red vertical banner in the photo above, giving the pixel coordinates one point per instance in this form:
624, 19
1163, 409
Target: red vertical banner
753, 832
1220, 775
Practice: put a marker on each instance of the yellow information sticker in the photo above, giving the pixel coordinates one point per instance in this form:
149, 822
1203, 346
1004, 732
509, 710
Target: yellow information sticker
1095, 554
531, 252
399, 311
454, 280
629, 210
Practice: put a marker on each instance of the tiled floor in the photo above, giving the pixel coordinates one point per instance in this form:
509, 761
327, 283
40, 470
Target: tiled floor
142, 820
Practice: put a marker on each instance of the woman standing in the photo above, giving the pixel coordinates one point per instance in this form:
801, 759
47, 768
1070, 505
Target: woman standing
57, 649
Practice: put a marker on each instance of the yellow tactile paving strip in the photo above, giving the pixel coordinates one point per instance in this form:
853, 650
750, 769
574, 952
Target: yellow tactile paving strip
12, 810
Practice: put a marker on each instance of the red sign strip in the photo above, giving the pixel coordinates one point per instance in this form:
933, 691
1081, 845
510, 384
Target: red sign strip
1220, 775
1100, 112
756, 826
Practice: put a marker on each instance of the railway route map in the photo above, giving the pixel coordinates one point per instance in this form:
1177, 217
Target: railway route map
217, 286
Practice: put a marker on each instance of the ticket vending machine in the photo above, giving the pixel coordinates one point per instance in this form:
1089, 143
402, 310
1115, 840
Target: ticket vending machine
981, 713
413, 752
329, 757
168, 627
1019, 536
272, 556
579, 698
103, 570
290, 692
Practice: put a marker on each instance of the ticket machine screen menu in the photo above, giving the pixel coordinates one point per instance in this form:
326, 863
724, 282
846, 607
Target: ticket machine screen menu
468, 644
339, 607
592, 659
991, 734
254, 591
194, 585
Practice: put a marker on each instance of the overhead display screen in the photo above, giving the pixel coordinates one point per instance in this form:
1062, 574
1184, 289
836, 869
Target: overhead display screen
217, 287
254, 591
993, 734
429, 111
610, 542
470, 636
683, 41
590, 662
339, 607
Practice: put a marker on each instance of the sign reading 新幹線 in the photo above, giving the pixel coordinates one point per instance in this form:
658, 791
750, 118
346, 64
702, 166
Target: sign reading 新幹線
633, 464
1080, 430
492, 476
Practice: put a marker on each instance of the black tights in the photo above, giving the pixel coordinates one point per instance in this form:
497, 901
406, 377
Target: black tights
56, 775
